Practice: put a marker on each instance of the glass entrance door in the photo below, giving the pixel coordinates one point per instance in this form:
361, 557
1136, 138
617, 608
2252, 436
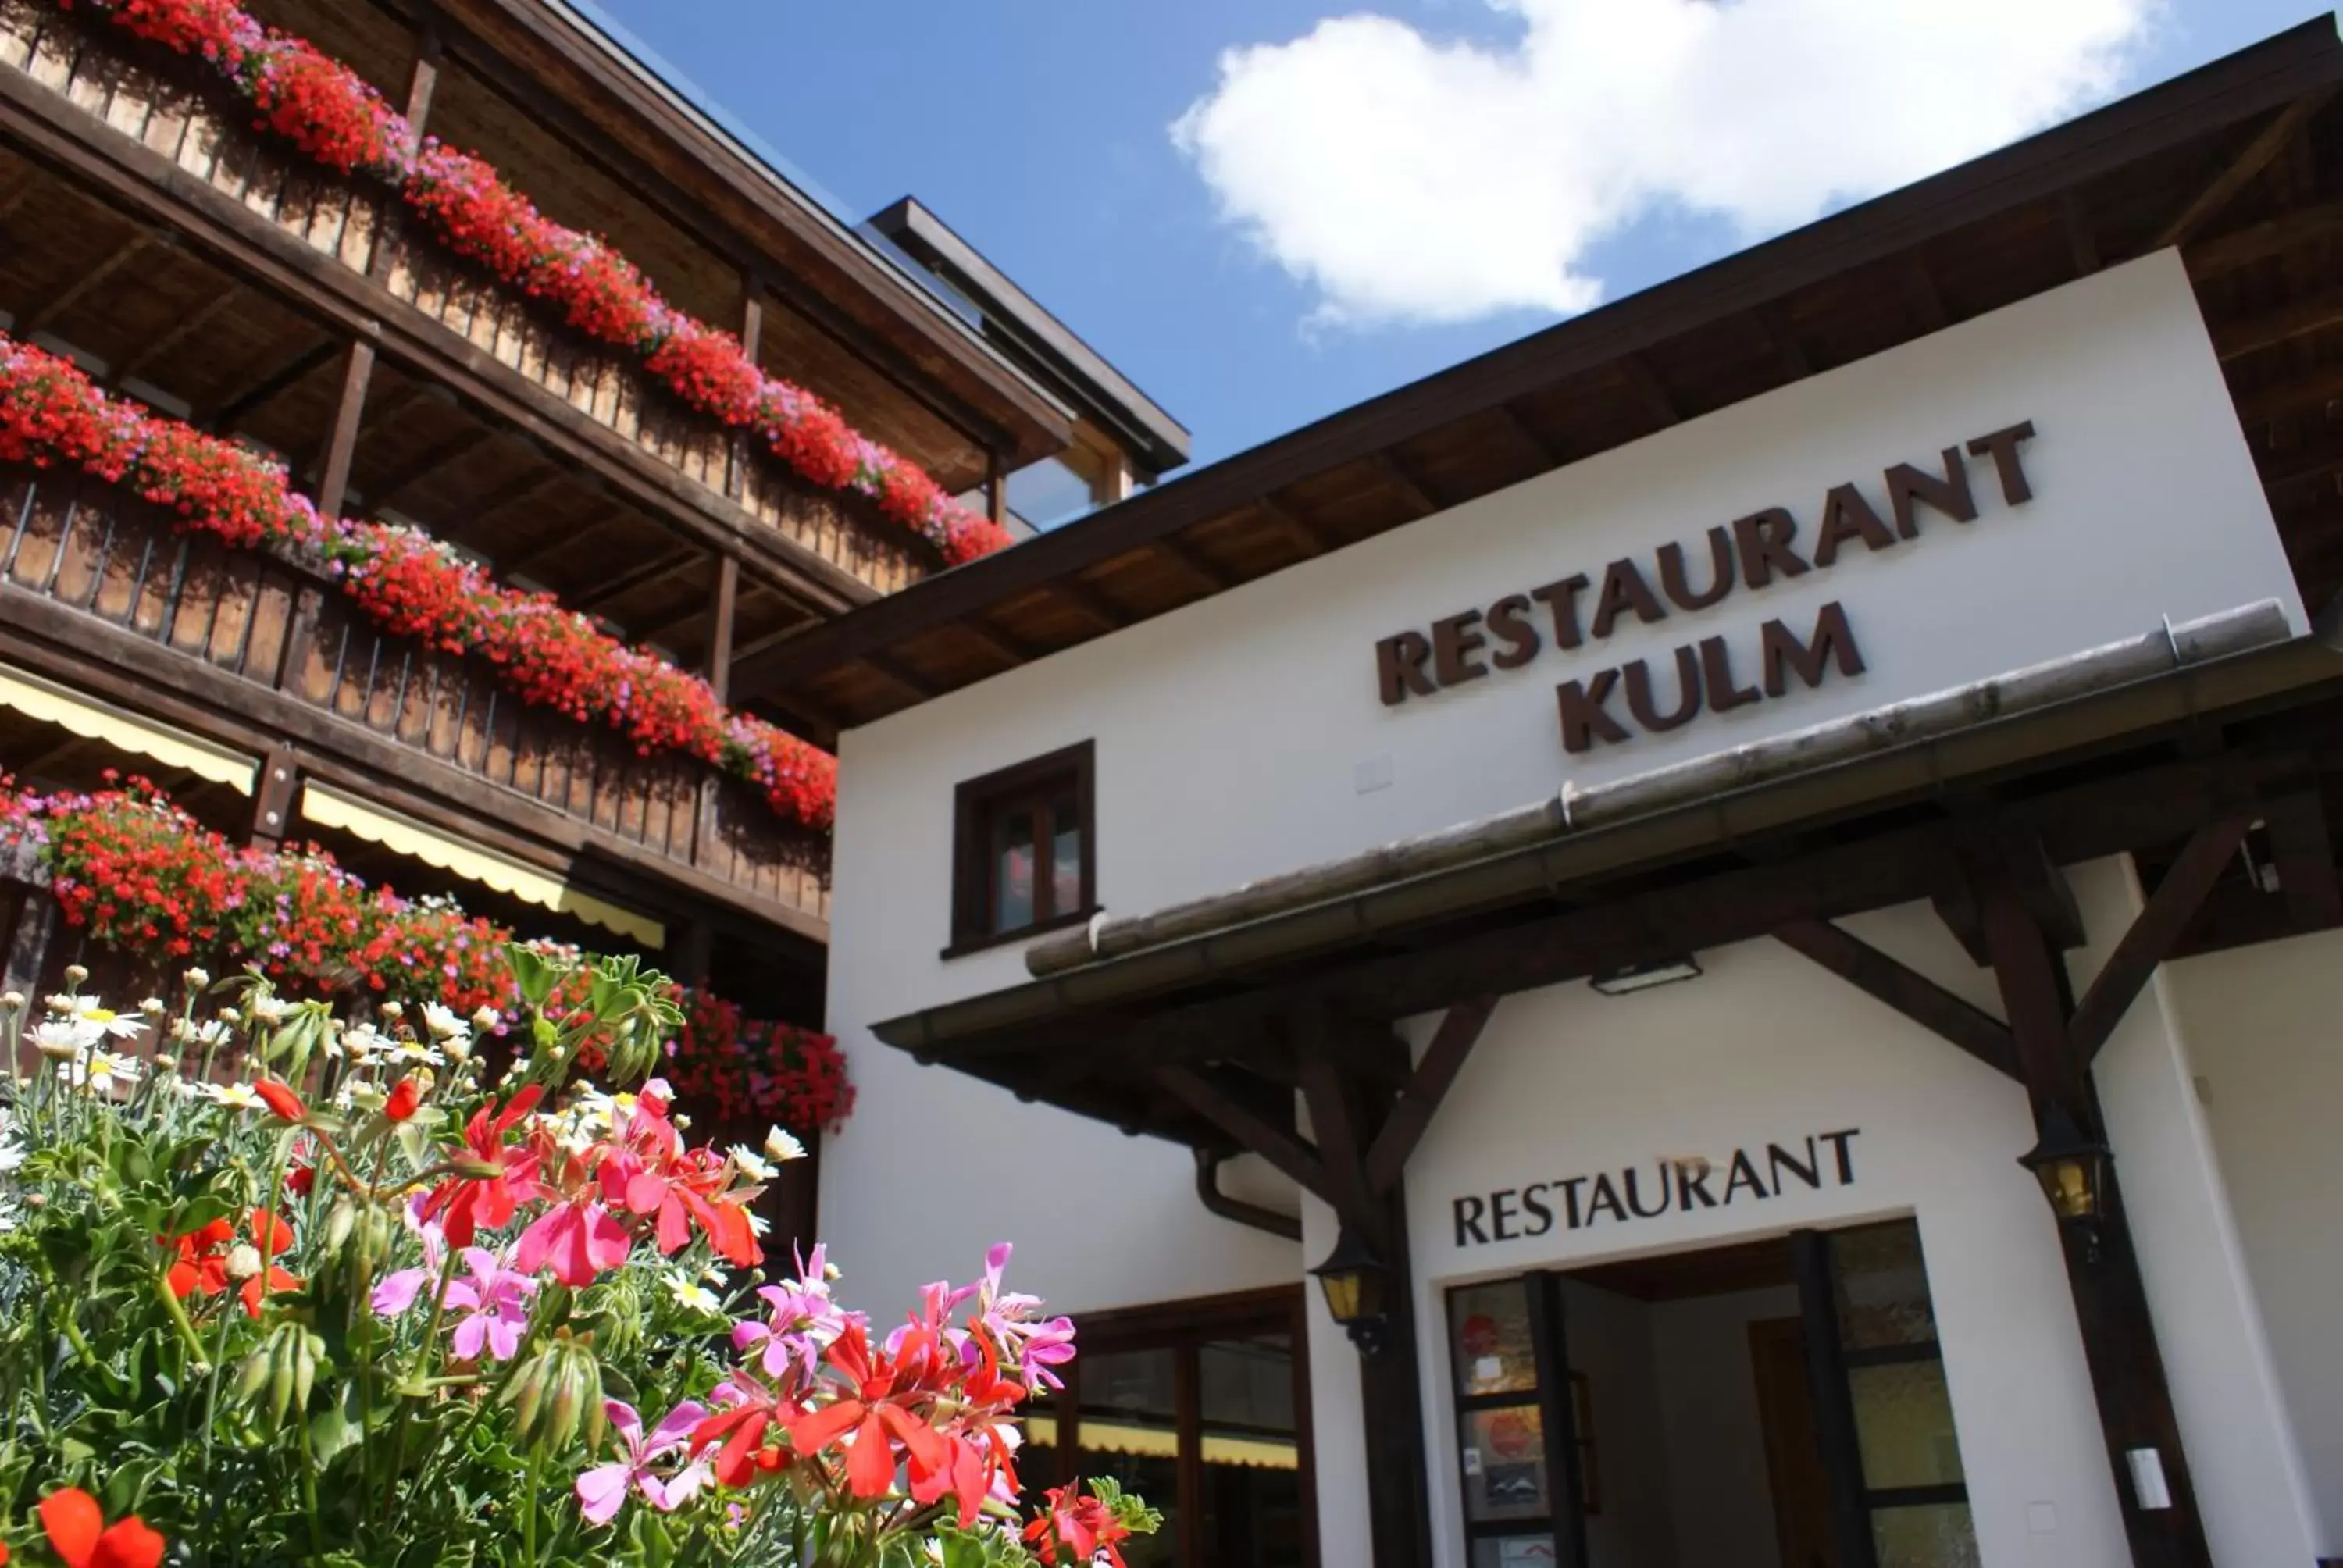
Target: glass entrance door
1778, 1401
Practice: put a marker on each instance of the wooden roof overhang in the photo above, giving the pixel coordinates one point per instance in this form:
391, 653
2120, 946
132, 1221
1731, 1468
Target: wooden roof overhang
1144, 1040
2238, 164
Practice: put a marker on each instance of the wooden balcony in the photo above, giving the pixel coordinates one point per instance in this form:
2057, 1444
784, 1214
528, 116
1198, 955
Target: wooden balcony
258, 652
390, 267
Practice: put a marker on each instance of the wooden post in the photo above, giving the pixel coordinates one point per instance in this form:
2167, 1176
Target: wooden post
718, 661
1345, 1122
422, 82
753, 337
1834, 1433
996, 488
341, 447
2127, 1378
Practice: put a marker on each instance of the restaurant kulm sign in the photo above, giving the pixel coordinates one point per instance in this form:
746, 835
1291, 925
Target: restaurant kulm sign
1711, 674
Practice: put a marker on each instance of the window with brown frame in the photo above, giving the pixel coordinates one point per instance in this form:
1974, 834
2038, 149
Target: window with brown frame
1024, 851
1202, 1408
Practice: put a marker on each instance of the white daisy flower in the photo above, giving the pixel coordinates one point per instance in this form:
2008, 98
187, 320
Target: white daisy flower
103, 1072
232, 1096
443, 1022
65, 1037
781, 1148
268, 1010
415, 1051
745, 1160
692, 1294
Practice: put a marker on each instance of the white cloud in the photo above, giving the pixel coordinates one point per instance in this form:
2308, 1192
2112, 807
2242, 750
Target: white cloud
1409, 179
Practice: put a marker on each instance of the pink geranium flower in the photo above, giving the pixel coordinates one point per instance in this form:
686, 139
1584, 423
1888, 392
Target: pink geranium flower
579, 1240
602, 1491
493, 1302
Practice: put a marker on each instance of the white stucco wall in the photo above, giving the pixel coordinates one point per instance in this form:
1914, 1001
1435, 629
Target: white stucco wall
2264, 1027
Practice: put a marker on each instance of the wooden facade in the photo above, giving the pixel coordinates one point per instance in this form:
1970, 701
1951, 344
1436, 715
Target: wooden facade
195, 263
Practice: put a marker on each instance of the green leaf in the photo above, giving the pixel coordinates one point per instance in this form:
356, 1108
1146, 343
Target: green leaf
338, 1426
532, 974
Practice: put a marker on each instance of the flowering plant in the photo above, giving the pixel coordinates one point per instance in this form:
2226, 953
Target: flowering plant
52, 414
333, 115
140, 874
290, 1288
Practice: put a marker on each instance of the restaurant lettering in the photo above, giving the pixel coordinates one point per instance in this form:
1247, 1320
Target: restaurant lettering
1711, 674
1664, 1187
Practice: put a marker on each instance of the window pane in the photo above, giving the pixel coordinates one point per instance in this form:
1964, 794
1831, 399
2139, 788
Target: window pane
1012, 872
1939, 1535
1252, 1459
1883, 1286
1129, 1432
1504, 1464
1066, 856
1903, 1425
1514, 1552
1489, 1328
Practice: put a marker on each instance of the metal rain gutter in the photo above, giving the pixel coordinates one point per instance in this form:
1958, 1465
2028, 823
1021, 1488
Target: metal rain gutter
2173, 675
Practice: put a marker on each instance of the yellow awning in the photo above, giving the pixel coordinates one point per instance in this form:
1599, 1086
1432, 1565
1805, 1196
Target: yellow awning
329, 807
94, 719
1161, 1442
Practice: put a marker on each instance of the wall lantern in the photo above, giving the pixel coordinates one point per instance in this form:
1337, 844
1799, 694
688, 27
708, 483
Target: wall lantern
2072, 1171
1357, 1285
1644, 977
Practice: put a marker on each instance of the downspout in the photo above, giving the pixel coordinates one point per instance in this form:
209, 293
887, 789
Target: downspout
1208, 1188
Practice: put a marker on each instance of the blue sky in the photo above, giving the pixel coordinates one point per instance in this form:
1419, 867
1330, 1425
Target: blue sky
1043, 131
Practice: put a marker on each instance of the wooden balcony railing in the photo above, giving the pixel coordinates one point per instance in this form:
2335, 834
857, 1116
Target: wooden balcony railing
357, 224
278, 646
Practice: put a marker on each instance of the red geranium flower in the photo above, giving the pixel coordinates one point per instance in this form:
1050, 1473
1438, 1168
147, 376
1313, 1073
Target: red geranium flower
499, 1178
78, 1532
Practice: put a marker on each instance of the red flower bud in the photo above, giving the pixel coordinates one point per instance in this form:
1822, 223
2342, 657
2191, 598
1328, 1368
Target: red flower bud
403, 1101
281, 1100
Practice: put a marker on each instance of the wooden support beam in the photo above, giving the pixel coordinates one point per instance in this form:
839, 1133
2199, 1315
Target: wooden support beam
1090, 602
901, 674
1920, 283
723, 609
996, 488
1001, 645
231, 414
342, 443
1529, 436
1281, 1147
1905, 990
2304, 849
1337, 1124
2241, 335
1412, 490
2081, 233
454, 449
1783, 338
2239, 172
2257, 241
565, 540
658, 569
150, 353
1192, 561
17, 193
38, 316
2153, 933
1312, 540
2039, 884
1637, 377
1444, 1058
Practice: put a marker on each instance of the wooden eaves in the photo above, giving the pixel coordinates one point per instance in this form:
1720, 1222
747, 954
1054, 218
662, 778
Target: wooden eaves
2222, 160
2133, 770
